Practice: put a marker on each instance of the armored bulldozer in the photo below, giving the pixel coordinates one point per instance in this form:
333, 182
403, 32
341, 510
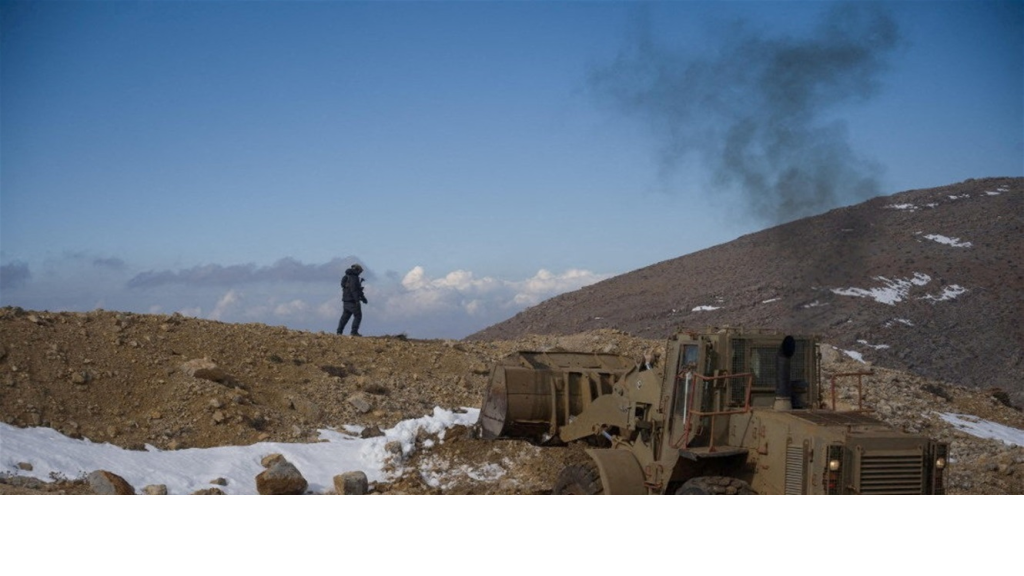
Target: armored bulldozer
723, 411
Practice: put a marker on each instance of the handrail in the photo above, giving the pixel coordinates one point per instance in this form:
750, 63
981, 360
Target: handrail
860, 387
683, 442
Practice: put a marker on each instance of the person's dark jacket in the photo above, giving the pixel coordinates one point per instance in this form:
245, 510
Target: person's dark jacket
352, 287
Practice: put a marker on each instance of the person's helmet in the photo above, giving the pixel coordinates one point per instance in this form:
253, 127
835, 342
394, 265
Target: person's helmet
357, 268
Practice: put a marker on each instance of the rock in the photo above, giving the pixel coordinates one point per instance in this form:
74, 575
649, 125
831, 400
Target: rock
371, 432
829, 354
81, 377
206, 369
155, 490
360, 403
209, 492
191, 366
219, 481
214, 375
282, 478
108, 483
219, 417
25, 466
271, 459
351, 483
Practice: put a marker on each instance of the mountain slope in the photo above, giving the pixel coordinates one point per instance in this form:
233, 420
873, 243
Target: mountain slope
930, 281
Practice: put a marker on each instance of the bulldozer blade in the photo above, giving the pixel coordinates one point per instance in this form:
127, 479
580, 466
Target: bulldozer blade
532, 394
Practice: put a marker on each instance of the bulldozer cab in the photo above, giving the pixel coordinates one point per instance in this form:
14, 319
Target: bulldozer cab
712, 376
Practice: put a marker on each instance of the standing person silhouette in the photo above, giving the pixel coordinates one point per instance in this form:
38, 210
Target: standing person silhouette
352, 299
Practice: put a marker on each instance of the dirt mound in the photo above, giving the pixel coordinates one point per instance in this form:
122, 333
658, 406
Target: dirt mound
175, 382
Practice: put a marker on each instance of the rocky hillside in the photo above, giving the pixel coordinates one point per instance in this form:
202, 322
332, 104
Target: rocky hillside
176, 382
928, 281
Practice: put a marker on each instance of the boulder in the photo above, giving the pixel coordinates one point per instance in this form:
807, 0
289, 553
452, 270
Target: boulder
351, 483
108, 483
155, 490
281, 478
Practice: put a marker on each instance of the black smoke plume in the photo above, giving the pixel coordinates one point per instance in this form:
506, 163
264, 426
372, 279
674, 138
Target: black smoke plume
761, 111
14, 275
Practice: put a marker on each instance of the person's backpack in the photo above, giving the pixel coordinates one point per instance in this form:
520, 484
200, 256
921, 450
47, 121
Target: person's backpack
344, 281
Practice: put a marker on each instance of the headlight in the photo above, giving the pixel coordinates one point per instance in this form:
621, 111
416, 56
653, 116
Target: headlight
940, 463
833, 465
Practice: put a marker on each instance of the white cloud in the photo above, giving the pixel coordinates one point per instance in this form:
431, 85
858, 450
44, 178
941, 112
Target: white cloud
227, 303
545, 284
461, 281
329, 308
462, 290
295, 307
461, 302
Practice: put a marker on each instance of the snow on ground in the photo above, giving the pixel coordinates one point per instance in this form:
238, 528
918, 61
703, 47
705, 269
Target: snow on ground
954, 242
985, 429
855, 355
875, 346
895, 321
891, 292
909, 207
53, 455
705, 308
948, 293
894, 291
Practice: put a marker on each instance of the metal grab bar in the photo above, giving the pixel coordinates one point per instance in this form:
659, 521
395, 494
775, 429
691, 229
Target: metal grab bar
683, 442
860, 387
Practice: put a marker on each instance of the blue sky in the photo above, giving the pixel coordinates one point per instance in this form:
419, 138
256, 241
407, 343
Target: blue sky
228, 160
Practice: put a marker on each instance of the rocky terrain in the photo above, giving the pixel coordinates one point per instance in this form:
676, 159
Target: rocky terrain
176, 382
928, 281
